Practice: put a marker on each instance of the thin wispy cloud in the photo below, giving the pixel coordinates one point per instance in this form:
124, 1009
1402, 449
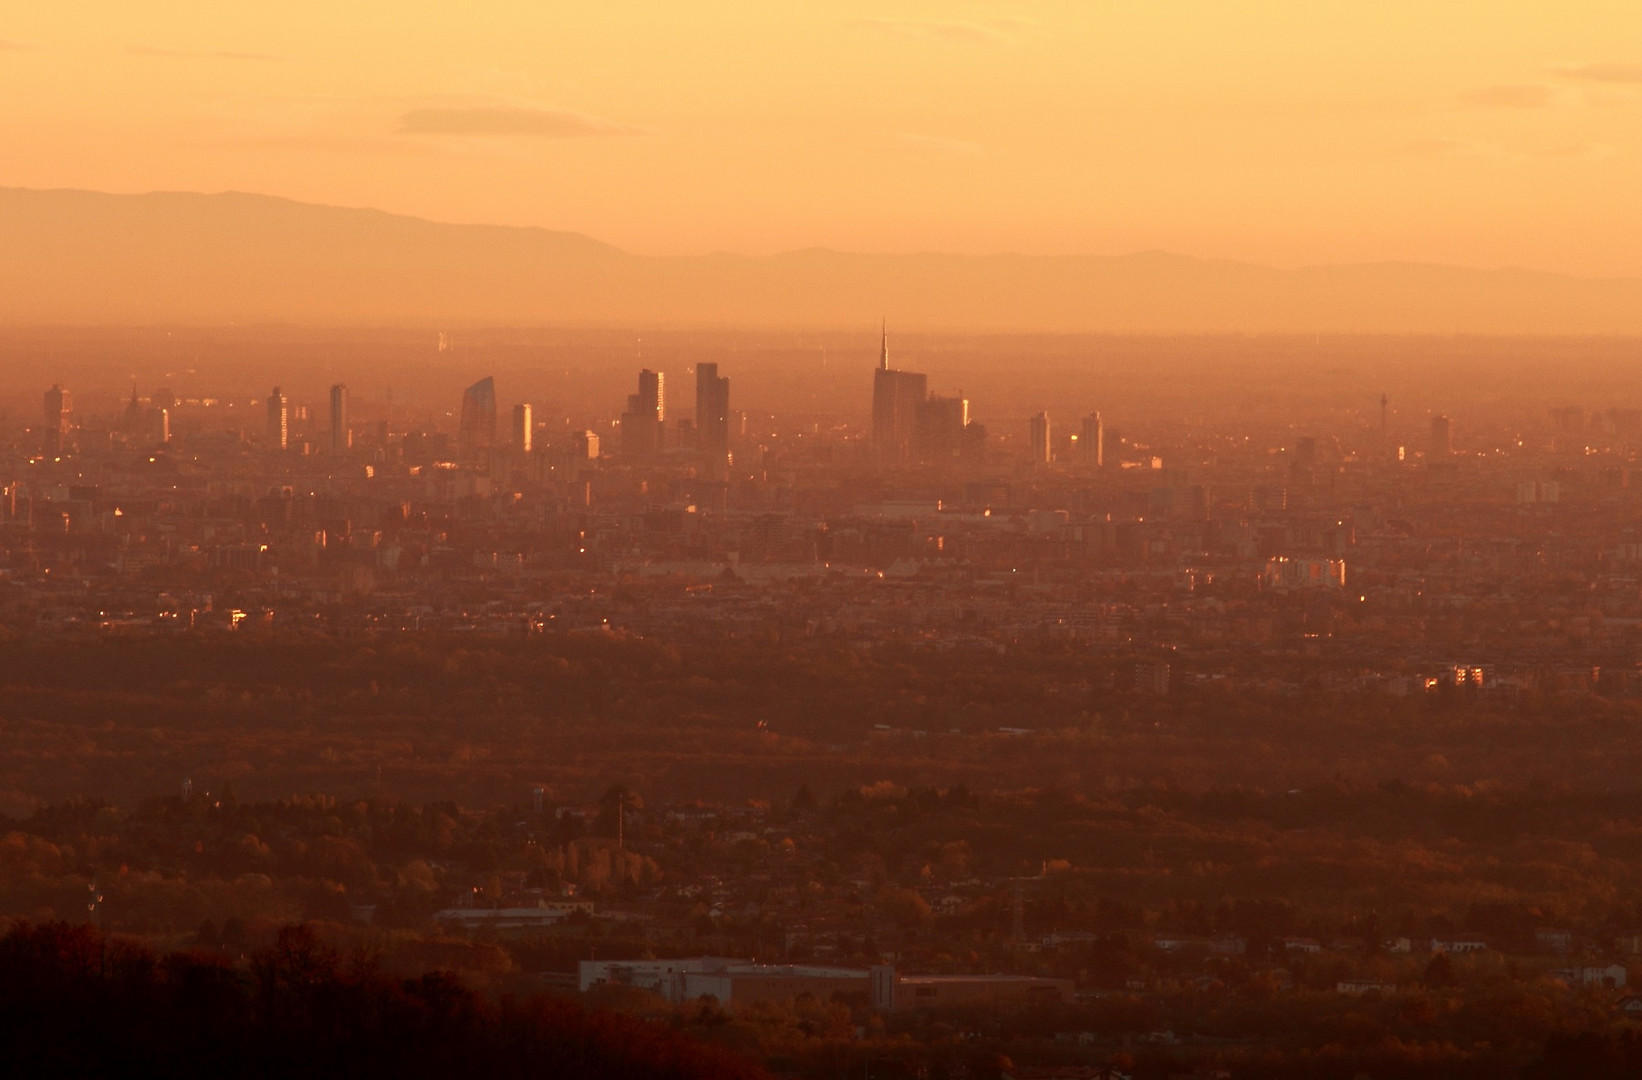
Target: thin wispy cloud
1512, 96
1583, 151
936, 144
508, 120
7, 45
1603, 73
1478, 150
328, 144
955, 32
1451, 148
190, 54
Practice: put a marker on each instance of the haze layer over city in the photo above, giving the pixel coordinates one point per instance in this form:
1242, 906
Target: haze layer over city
1030, 542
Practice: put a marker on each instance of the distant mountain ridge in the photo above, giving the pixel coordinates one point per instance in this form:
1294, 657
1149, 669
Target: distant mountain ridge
88, 258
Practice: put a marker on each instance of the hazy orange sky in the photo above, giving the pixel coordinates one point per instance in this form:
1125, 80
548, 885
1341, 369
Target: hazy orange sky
1286, 131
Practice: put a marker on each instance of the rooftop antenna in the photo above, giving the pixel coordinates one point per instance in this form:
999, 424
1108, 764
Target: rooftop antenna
883, 347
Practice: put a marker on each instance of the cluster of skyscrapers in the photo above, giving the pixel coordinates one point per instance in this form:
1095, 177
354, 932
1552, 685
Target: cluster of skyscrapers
149, 424
643, 428
277, 432
909, 424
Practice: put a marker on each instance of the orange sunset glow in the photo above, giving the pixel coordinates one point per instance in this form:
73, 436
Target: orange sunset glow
1274, 131
781, 540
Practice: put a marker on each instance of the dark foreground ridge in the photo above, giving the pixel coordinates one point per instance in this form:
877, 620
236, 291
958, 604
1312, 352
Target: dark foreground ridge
74, 1003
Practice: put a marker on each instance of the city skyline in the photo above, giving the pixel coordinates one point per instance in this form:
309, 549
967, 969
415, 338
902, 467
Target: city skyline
603, 680
900, 539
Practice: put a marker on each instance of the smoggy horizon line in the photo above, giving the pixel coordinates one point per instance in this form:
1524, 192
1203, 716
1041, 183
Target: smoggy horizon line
1001, 253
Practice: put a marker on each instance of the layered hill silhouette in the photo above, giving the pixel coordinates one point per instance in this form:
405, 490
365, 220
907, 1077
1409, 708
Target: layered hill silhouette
87, 258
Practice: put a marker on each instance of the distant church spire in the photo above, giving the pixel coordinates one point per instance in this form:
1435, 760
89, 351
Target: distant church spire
133, 411
883, 348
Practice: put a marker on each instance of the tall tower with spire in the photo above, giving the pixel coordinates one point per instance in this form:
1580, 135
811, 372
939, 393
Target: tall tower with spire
896, 398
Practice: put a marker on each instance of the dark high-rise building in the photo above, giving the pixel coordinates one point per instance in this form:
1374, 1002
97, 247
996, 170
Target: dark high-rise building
279, 420
897, 399
523, 428
477, 433
1442, 436
652, 393
712, 410
341, 436
942, 422
59, 405
641, 424
1039, 447
1092, 440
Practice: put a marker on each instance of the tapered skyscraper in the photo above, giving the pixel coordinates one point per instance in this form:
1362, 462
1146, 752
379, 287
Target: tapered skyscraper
478, 428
